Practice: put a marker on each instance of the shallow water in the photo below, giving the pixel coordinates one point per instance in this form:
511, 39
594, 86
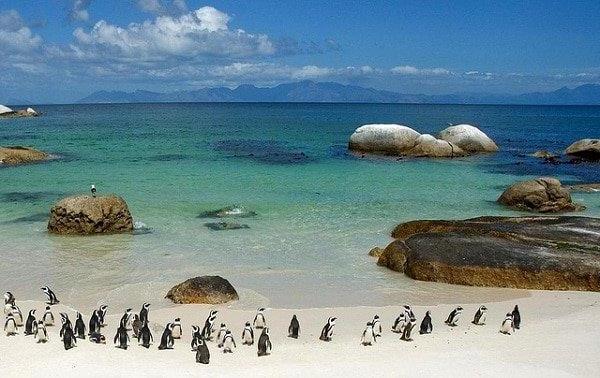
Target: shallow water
319, 209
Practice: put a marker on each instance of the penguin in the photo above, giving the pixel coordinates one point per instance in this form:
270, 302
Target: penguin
399, 323
507, 325
409, 312
64, 318
426, 325
94, 324
177, 328
259, 319
221, 335
327, 331
30, 324
121, 336
50, 296
377, 329
208, 325
406, 332
264, 343
294, 328
136, 325
202, 353
97, 338
68, 336
10, 326
228, 343
18, 315
9, 301
79, 327
516, 317
8, 308
126, 319
144, 313
145, 336
102, 315
454, 316
48, 317
40, 335
368, 336
247, 335
480, 316
196, 337
93, 190
166, 340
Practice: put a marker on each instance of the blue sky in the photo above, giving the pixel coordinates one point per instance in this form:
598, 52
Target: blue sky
61, 50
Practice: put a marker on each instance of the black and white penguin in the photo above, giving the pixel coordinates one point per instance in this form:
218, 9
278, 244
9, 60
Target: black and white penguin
177, 328
516, 317
166, 340
410, 315
79, 327
121, 337
407, 331
18, 315
368, 336
50, 296
94, 324
126, 319
327, 331
64, 319
9, 301
207, 331
48, 317
221, 335
400, 322
454, 316
202, 353
40, 335
294, 328
102, 315
67, 335
377, 329
144, 313
10, 326
136, 325
426, 325
259, 319
196, 337
264, 343
97, 338
145, 336
228, 343
248, 335
507, 326
480, 316
93, 190
30, 323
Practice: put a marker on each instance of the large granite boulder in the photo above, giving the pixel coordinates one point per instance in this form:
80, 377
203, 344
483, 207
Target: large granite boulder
427, 145
384, 139
20, 155
550, 253
204, 289
85, 215
544, 195
469, 138
587, 149
4, 110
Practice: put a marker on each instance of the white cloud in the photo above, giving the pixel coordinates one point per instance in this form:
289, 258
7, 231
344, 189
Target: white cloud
15, 36
410, 70
79, 10
150, 5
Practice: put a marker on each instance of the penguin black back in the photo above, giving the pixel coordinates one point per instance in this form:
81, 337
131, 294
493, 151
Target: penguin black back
516, 314
30, 323
264, 343
79, 327
294, 328
166, 340
145, 336
68, 336
426, 325
202, 353
121, 337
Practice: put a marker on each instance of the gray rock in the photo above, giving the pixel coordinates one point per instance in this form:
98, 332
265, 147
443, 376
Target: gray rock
586, 149
544, 195
222, 226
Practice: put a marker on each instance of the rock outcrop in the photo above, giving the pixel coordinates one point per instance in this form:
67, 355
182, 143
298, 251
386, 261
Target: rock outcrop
550, 253
204, 289
586, 149
543, 154
544, 195
384, 139
86, 215
14, 155
469, 138
7, 112
376, 252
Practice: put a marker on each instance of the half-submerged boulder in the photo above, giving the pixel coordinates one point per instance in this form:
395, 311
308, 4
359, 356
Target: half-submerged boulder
549, 253
544, 195
7, 112
427, 145
586, 149
384, 139
469, 138
86, 215
14, 155
228, 212
203, 289
223, 226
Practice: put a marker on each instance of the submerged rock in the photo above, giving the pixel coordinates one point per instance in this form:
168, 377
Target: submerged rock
586, 149
544, 195
585, 188
469, 138
550, 253
263, 151
85, 215
543, 154
204, 289
222, 226
14, 155
228, 212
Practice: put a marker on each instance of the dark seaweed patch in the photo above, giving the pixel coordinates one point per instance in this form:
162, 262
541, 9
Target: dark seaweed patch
29, 196
37, 217
263, 151
168, 157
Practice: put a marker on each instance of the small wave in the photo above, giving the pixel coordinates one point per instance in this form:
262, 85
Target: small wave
140, 228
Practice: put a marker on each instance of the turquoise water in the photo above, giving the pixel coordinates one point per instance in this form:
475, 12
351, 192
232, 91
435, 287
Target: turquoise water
319, 209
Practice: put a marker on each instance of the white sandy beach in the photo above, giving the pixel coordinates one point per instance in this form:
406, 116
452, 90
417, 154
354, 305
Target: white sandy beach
559, 337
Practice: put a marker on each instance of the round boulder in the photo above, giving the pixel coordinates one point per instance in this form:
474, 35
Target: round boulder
86, 215
469, 138
545, 195
386, 139
587, 149
204, 289
427, 145
20, 155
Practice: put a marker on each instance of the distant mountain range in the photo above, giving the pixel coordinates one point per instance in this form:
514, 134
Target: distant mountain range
310, 91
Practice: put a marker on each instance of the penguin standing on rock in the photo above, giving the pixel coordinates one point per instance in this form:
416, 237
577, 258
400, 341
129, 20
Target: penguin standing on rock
406, 332
48, 317
145, 336
221, 335
480, 316
368, 336
259, 319
264, 343
202, 353
144, 313
102, 315
516, 317
327, 331
10, 326
426, 325
377, 329
40, 335
121, 337
399, 323
454, 316
294, 328
30, 323
228, 343
50, 296
177, 328
95, 322
507, 326
196, 337
247, 335
166, 340
79, 327
207, 331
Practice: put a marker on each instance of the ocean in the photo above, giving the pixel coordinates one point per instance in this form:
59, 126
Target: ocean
319, 209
